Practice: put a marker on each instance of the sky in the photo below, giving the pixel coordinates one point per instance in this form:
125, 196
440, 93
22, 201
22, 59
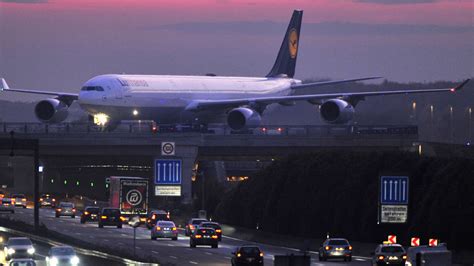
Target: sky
60, 44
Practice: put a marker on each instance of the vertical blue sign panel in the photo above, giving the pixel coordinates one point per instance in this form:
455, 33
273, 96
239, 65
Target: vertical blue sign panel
394, 190
167, 172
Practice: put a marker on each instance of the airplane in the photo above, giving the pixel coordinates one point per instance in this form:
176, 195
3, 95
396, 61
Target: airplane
240, 101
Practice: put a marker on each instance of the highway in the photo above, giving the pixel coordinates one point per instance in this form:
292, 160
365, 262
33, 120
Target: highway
164, 251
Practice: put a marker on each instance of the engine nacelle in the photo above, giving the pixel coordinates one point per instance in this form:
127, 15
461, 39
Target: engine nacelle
51, 111
243, 118
337, 111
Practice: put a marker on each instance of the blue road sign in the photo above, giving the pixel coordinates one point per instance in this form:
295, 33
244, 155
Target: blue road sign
394, 190
168, 172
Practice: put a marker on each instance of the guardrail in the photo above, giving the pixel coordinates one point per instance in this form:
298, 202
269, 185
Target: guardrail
146, 128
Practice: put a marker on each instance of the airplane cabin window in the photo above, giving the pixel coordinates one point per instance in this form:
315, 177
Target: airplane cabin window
92, 88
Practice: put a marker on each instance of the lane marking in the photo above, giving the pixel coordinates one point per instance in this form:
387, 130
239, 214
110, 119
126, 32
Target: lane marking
193, 262
173, 257
156, 252
208, 253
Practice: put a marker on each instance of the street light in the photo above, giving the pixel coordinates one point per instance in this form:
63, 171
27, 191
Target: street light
431, 119
451, 132
470, 124
413, 107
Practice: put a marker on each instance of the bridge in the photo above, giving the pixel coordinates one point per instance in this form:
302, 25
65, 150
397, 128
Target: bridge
78, 157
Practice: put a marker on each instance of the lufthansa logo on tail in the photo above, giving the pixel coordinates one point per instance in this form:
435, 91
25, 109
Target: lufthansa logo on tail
293, 43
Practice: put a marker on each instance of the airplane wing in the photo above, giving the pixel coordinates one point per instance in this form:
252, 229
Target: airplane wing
201, 105
64, 96
331, 82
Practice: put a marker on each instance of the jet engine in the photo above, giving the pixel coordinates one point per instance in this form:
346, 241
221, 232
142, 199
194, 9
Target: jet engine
243, 118
337, 111
51, 111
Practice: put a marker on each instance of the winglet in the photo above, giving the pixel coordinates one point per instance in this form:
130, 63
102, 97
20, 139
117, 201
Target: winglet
459, 87
4, 85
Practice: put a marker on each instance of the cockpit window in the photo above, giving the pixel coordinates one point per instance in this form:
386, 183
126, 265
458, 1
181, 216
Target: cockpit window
92, 88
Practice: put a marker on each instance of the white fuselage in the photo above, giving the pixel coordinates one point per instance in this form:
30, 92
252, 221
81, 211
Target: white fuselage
164, 98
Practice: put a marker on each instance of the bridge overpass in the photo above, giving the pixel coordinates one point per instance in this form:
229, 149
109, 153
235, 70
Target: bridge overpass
78, 157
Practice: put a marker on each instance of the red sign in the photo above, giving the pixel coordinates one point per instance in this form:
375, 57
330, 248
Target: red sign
415, 241
433, 242
392, 239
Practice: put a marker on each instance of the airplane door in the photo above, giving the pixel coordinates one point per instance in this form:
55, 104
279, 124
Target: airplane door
117, 89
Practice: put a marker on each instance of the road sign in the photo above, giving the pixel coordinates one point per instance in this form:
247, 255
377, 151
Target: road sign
168, 171
168, 191
392, 239
394, 190
393, 213
415, 242
433, 242
167, 148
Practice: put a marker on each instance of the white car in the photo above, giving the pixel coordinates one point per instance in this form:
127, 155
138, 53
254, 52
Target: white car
6, 205
62, 255
19, 200
19, 247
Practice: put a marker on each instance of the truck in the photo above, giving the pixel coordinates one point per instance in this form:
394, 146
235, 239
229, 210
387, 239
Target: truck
130, 195
429, 256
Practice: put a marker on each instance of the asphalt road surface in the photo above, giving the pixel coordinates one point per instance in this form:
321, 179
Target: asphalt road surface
164, 251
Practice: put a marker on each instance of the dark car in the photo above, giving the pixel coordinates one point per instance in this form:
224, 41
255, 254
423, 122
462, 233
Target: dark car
215, 226
164, 229
18, 247
90, 214
65, 209
110, 217
46, 200
247, 255
204, 237
156, 215
389, 254
19, 200
335, 248
192, 224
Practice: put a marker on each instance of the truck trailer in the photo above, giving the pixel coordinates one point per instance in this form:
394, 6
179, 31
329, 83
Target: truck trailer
130, 195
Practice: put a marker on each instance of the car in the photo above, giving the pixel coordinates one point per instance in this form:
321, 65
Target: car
156, 215
247, 255
204, 237
215, 226
90, 213
389, 254
6, 205
62, 255
66, 209
335, 248
164, 229
19, 200
18, 247
110, 217
46, 200
191, 225
22, 262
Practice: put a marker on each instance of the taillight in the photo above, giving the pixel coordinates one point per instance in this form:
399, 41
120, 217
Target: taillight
404, 257
41, 199
327, 248
103, 217
168, 215
381, 257
198, 236
122, 219
218, 231
86, 213
350, 247
261, 254
158, 228
54, 200
153, 217
59, 209
174, 228
214, 236
239, 255
191, 227
73, 210
23, 199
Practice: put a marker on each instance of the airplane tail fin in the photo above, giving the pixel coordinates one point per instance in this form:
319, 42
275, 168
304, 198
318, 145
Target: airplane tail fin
4, 85
286, 60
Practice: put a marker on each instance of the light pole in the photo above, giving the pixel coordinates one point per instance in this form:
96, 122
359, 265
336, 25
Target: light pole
451, 132
431, 119
413, 107
469, 110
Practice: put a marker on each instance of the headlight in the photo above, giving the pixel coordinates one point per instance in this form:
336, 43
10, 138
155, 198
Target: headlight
53, 261
10, 251
74, 260
31, 251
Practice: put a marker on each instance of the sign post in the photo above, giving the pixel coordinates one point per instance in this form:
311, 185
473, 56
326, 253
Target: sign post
168, 177
393, 199
167, 148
